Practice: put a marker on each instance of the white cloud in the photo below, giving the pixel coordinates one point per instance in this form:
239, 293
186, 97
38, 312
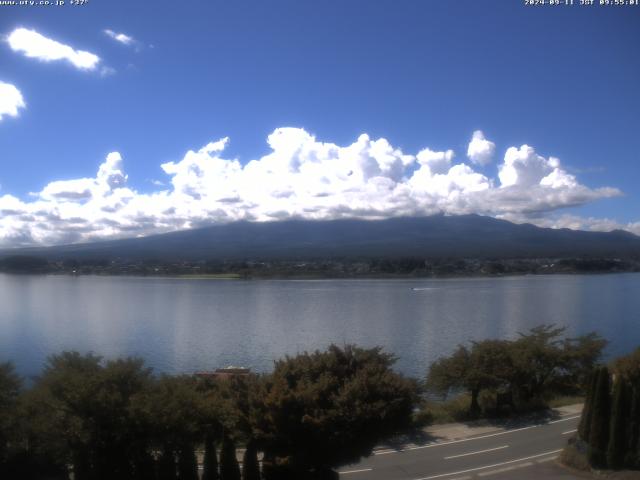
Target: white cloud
575, 222
523, 167
107, 71
436, 162
119, 37
34, 45
480, 150
300, 177
11, 100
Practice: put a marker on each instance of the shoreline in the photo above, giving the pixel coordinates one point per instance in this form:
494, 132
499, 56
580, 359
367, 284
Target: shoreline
307, 276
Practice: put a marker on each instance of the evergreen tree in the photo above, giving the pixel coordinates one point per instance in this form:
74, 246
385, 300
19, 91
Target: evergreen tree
599, 431
10, 385
167, 465
229, 468
187, 463
618, 425
632, 457
587, 411
210, 463
250, 466
144, 466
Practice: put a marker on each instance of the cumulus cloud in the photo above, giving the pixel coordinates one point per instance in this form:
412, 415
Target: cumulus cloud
575, 222
35, 45
523, 167
299, 177
119, 37
11, 100
480, 150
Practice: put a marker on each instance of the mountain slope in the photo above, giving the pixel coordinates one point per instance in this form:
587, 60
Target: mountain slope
436, 236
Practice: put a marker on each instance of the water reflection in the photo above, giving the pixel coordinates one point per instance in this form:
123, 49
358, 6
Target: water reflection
187, 325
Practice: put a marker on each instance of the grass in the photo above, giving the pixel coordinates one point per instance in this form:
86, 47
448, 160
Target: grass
457, 409
450, 411
564, 400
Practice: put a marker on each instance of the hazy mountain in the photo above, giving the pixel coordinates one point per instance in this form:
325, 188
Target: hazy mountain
436, 236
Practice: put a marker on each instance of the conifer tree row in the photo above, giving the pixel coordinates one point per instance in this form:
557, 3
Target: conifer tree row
610, 423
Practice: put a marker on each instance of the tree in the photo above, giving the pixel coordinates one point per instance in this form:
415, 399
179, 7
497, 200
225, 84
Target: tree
326, 409
581, 356
617, 447
89, 403
44, 452
119, 443
65, 394
250, 466
488, 365
229, 468
170, 413
167, 469
629, 367
599, 430
539, 361
632, 456
10, 385
449, 373
187, 463
526, 370
587, 410
210, 462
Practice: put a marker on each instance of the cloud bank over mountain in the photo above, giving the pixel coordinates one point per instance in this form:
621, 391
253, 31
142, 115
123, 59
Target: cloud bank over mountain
300, 177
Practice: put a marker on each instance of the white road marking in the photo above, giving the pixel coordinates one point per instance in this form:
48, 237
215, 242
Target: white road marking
439, 444
570, 431
542, 460
505, 469
476, 453
564, 419
490, 466
356, 471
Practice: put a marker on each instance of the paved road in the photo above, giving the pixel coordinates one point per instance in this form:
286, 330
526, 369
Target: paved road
523, 452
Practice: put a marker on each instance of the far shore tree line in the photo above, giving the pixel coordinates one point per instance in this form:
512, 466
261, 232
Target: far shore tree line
314, 412
334, 267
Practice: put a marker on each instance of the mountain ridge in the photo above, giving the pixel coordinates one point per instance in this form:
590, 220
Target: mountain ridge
429, 237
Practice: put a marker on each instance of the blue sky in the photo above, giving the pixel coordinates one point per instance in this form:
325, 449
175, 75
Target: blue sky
418, 78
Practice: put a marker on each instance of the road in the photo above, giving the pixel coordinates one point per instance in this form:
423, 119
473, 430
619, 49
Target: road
525, 452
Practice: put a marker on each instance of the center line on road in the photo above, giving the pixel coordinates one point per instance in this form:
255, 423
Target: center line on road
564, 419
570, 431
356, 471
490, 466
442, 444
476, 453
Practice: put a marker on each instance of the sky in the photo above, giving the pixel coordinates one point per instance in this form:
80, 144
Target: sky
122, 119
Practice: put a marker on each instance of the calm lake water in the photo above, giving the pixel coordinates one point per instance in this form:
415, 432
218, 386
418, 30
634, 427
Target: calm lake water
187, 325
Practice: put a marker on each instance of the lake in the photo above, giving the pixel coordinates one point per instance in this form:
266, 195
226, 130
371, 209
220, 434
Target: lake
181, 325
